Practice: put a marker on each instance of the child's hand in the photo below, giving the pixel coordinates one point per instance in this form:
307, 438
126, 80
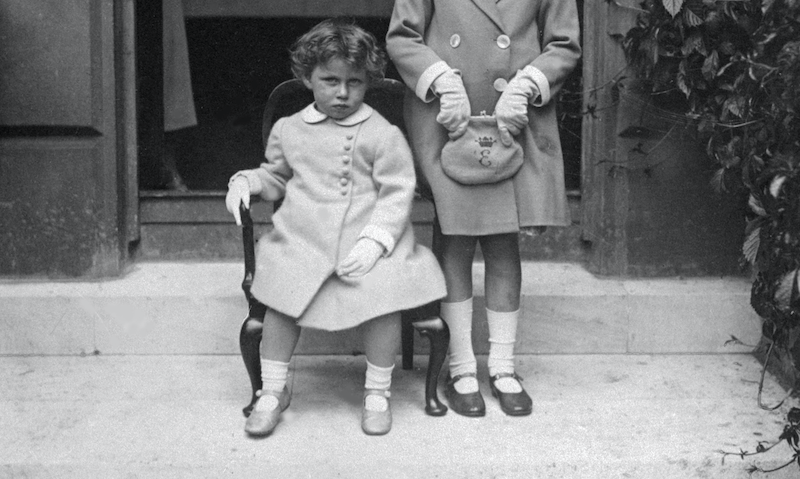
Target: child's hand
511, 109
454, 109
361, 259
238, 193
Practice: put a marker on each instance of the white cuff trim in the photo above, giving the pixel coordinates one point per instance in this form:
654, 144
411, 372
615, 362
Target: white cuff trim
541, 82
380, 235
425, 82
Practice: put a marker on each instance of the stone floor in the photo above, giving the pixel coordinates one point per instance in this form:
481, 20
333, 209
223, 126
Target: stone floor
176, 416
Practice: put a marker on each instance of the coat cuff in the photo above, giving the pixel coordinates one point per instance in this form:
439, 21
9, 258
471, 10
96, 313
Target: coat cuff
381, 236
540, 80
253, 181
423, 90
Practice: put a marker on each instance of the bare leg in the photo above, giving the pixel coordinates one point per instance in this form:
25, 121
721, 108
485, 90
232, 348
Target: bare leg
279, 337
457, 255
503, 271
381, 338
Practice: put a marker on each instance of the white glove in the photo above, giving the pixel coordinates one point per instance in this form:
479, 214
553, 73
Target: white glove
238, 193
511, 109
454, 109
361, 258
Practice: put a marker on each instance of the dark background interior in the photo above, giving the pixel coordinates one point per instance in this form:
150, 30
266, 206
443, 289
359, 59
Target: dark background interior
236, 62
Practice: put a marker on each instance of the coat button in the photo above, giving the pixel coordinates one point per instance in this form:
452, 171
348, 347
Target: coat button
343, 181
455, 40
500, 84
345, 159
503, 41
345, 172
349, 137
347, 147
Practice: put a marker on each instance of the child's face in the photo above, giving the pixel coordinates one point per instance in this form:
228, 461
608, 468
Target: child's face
338, 88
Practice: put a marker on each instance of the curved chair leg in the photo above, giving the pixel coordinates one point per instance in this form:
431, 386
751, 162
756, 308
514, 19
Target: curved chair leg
438, 335
250, 347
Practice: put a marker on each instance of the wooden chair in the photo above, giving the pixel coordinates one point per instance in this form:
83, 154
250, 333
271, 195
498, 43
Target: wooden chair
387, 98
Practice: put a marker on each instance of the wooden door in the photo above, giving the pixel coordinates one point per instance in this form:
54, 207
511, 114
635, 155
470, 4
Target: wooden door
66, 204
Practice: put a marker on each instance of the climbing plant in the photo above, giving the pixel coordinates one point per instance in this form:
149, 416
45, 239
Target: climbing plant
734, 65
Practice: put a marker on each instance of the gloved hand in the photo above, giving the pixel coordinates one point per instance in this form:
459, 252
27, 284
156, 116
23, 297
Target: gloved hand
361, 258
238, 193
511, 109
454, 109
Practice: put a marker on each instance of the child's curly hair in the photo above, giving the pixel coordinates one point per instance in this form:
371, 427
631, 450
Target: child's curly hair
338, 38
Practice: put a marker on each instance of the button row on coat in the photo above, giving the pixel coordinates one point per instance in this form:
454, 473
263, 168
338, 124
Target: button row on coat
503, 41
344, 179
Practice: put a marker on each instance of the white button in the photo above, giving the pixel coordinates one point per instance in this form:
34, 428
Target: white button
503, 41
347, 147
343, 181
343, 192
346, 160
455, 40
349, 137
500, 84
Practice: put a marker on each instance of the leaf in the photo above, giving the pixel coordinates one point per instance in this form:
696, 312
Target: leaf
751, 245
775, 185
718, 180
711, 65
673, 6
783, 293
692, 19
755, 205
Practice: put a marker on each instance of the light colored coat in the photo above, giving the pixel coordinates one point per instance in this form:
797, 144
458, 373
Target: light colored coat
339, 180
488, 42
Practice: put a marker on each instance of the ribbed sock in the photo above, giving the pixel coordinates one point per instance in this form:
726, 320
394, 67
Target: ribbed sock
458, 317
502, 337
273, 376
377, 378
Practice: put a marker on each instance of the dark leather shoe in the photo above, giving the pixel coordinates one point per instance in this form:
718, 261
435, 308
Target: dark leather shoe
470, 404
513, 404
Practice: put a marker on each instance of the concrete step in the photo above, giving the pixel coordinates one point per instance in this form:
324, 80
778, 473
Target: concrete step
196, 226
197, 308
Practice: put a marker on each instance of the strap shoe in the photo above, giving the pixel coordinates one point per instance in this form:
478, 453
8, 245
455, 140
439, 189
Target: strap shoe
513, 404
470, 404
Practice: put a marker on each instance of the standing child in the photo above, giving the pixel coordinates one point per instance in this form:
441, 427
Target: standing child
461, 58
342, 252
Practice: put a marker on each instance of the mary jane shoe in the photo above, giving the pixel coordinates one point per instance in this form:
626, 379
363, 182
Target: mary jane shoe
376, 423
469, 404
513, 404
261, 423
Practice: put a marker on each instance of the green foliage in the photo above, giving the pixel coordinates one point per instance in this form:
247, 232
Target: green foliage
736, 64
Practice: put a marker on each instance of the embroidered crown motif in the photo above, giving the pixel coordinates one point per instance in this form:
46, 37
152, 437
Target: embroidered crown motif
486, 141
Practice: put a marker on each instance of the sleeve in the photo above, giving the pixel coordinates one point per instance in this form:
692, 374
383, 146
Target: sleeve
393, 173
417, 64
560, 30
269, 180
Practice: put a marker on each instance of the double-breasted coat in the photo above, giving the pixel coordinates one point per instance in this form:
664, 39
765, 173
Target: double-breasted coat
340, 180
488, 41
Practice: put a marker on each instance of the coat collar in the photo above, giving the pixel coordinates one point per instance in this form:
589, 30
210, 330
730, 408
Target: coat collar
489, 7
312, 115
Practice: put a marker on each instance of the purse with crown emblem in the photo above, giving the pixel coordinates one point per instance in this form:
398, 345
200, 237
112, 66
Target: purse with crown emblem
478, 156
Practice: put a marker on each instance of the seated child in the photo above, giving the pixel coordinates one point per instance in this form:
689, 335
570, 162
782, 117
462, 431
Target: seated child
342, 252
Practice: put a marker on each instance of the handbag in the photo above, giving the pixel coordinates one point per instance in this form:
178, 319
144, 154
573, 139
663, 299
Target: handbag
478, 156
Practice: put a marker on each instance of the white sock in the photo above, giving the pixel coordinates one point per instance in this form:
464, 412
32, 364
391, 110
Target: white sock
273, 377
502, 336
458, 317
377, 378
